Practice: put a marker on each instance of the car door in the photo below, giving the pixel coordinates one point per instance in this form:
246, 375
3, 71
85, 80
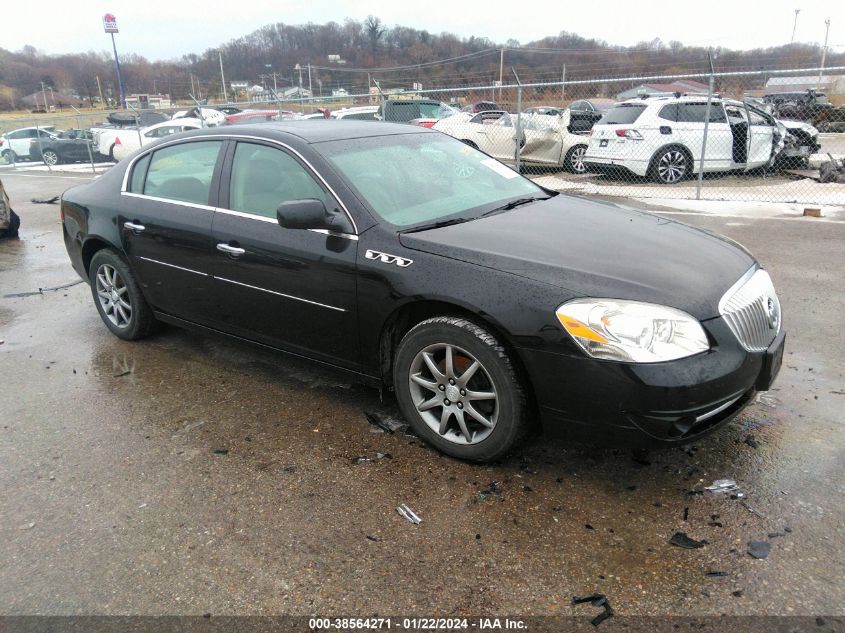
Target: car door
760, 138
20, 141
165, 222
689, 128
290, 288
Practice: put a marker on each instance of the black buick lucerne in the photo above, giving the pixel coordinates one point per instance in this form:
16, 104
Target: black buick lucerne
487, 303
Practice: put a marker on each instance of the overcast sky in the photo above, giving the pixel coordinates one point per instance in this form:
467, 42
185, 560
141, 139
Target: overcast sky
165, 29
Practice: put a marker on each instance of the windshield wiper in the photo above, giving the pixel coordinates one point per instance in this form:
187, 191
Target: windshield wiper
511, 205
436, 225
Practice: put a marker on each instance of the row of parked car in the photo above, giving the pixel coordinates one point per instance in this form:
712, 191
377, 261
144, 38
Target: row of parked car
659, 137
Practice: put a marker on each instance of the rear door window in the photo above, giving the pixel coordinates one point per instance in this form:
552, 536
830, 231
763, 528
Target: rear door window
183, 172
696, 112
622, 114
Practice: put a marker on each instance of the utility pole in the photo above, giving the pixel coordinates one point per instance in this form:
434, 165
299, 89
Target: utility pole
100, 90
44, 97
824, 53
501, 70
563, 84
795, 25
310, 90
222, 77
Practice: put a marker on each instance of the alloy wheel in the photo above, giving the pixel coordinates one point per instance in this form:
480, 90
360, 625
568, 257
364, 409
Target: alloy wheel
50, 157
672, 166
453, 393
576, 159
113, 296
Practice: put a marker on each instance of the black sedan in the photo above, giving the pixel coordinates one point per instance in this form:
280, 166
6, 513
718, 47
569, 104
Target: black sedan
69, 146
488, 304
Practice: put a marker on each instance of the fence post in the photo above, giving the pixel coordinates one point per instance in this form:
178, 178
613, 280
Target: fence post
40, 148
518, 139
706, 126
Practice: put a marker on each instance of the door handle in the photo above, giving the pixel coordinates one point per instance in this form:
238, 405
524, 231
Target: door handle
234, 251
132, 226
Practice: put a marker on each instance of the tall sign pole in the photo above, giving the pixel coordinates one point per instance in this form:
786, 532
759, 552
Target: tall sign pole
110, 27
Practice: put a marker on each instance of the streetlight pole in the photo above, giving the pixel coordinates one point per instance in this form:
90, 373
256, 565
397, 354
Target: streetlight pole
222, 77
110, 27
795, 25
824, 53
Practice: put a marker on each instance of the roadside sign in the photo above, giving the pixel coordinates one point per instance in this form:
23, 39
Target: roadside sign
110, 23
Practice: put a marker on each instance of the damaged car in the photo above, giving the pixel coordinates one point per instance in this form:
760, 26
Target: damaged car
544, 140
9, 220
662, 138
415, 262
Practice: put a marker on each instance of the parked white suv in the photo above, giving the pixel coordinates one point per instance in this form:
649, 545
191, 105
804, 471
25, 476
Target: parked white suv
661, 137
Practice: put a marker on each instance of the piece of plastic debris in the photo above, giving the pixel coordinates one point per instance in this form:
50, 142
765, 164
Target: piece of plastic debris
596, 600
722, 485
748, 507
28, 526
52, 200
737, 594
752, 441
492, 489
221, 451
406, 512
776, 534
717, 574
374, 539
373, 419
41, 291
680, 539
371, 456
759, 549
686, 513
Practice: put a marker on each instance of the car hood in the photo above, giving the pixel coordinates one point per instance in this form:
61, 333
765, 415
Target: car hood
799, 125
595, 249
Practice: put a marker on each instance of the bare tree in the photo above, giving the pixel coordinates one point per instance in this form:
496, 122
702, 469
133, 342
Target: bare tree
375, 30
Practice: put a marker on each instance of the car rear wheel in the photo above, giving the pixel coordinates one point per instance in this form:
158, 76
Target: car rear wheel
118, 297
10, 156
50, 157
459, 390
671, 165
575, 159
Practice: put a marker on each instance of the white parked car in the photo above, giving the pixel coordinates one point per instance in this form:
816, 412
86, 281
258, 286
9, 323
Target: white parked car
14, 145
130, 140
211, 116
360, 113
662, 138
546, 140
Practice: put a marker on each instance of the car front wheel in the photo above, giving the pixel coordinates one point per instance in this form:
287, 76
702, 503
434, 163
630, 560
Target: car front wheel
459, 390
50, 157
118, 297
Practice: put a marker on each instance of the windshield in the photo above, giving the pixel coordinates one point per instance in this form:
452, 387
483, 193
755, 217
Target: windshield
410, 179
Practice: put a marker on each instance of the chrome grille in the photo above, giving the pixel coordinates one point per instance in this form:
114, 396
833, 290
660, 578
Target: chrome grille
752, 310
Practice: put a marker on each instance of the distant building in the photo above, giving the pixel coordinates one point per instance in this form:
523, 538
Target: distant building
829, 84
148, 101
682, 85
52, 99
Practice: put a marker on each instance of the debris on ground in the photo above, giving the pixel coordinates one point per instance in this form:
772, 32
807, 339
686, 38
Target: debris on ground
492, 489
374, 539
717, 574
220, 451
738, 593
776, 534
596, 600
371, 456
122, 372
52, 200
28, 526
832, 171
748, 507
752, 441
41, 291
722, 485
406, 512
759, 549
680, 539
376, 421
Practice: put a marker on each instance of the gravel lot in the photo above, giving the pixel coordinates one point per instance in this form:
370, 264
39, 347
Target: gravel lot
190, 475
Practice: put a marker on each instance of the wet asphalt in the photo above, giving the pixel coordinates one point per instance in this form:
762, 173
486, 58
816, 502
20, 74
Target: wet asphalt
186, 474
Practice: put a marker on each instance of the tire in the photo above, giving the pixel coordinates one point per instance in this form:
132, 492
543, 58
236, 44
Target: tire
417, 385
10, 156
109, 271
111, 154
671, 165
50, 157
14, 225
574, 161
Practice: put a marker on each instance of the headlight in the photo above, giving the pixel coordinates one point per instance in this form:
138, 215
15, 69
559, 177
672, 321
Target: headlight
631, 331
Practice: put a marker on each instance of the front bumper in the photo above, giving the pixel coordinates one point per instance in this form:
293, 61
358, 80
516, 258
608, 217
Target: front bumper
648, 405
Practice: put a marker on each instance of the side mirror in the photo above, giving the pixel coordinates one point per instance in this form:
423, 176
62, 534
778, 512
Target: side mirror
309, 213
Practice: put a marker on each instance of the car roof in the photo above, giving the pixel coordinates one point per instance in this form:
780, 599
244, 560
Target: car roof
321, 130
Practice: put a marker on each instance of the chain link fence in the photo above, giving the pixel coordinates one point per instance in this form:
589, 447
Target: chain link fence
718, 137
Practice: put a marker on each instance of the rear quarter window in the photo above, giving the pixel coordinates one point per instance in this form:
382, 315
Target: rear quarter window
622, 114
139, 172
